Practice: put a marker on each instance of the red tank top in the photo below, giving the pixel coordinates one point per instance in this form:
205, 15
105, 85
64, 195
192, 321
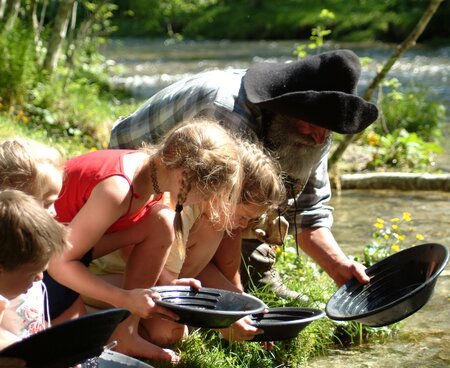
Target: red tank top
83, 173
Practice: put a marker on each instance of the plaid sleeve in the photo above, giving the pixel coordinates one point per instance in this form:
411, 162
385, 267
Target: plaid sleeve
178, 102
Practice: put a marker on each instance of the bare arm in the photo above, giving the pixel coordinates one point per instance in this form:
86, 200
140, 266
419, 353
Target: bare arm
320, 245
227, 258
108, 201
212, 277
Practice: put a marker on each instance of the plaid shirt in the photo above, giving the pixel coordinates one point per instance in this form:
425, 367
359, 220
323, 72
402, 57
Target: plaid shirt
219, 95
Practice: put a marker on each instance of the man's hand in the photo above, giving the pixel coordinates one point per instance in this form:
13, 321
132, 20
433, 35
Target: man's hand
344, 272
321, 246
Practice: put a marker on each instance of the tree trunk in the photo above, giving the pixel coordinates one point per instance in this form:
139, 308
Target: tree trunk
33, 20
409, 42
42, 17
2, 8
58, 35
11, 14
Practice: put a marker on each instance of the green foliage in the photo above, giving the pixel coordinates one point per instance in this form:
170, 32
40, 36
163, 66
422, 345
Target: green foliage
413, 111
18, 71
408, 137
390, 237
205, 348
318, 34
357, 20
402, 151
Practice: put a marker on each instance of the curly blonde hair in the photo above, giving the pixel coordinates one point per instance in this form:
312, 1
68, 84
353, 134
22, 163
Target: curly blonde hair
263, 182
26, 165
209, 158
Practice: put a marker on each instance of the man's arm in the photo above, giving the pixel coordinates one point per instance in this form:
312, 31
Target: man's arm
320, 245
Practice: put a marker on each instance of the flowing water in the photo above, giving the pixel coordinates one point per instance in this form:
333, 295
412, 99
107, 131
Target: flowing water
424, 340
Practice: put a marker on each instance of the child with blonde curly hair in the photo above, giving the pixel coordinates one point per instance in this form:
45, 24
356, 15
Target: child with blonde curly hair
32, 167
111, 199
262, 191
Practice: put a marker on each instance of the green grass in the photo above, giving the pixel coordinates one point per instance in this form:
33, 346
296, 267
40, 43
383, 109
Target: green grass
205, 348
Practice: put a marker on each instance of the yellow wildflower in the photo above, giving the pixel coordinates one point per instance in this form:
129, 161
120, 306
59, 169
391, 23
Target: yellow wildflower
395, 247
278, 249
420, 237
93, 149
386, 236
406, 216
395, 227
380, 220
378, 226
401, 237
395, 219
373, 139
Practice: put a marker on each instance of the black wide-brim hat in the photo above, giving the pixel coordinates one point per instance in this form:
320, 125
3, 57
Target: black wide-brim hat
319, 89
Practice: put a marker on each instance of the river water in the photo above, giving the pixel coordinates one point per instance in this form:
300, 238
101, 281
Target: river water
424, 340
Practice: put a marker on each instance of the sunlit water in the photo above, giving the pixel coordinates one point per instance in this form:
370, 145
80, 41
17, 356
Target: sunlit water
424, 340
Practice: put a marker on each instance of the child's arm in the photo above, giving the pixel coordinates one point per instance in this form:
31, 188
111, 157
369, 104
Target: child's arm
170, 278
227, 258
109, 200
6, 338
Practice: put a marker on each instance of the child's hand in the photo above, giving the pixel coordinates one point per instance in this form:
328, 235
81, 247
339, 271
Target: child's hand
240, 330
12, 363
141, 303
187, 282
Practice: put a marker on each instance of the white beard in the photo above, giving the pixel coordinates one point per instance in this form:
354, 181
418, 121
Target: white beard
297, 154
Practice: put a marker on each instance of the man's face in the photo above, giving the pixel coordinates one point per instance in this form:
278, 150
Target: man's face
298, 144
317, 133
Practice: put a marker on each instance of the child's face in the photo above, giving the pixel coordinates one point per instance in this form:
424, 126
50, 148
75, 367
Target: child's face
53, 187
16, 282
246, 212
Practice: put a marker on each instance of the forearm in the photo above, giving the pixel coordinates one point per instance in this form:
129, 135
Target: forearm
320, 245
7, 338
166, 277
76, 276
212, 277
227, 258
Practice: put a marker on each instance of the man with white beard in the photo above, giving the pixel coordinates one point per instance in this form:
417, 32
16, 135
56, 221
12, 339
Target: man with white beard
292, 108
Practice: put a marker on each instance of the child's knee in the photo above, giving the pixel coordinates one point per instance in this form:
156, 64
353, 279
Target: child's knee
163, 333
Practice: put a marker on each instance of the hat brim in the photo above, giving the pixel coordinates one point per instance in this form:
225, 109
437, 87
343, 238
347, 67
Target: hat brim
324, 109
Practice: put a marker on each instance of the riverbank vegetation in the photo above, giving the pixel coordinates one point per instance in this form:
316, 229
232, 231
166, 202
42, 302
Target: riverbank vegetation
356, 20
57, 90
58, 86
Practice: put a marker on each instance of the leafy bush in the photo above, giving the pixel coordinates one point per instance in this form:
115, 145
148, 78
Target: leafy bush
402, 151
412, 111
17, 65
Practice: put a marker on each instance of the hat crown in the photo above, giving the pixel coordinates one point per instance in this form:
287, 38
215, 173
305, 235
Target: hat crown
320, 89
330, 71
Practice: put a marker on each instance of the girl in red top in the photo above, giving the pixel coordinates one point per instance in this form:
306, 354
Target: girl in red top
110, 199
